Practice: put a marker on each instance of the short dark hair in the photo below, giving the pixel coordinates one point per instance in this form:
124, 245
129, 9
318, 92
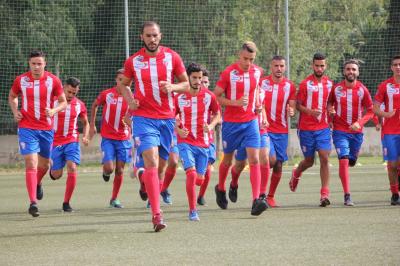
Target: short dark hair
205, 71
278, 58
120, 71
249, 46
351, 61
149, 23
319, 56
37, 53
193, 67
395, 58
73, 82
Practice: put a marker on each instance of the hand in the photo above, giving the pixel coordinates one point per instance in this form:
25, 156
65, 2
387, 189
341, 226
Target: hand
165, 86
134, 104
92, 132
50, 112
85, 141
183, 132
331, 110
315, 112
18, 116
389, 114
208, 128
258, 109
378, 127
355, 126
290, 110
243, 101
264, 124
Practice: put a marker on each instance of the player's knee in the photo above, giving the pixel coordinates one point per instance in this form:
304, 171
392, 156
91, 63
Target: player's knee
352, 162
309, 161
55, 175
119, 171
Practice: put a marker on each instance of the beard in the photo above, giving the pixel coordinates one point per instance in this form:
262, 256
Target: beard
350, 78
148, 48
318, 75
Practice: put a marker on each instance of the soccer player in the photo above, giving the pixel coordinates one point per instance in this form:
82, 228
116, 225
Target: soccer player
238, 82
212, 154
37, 88
279, 101
193, 109
349, 99
153, 69
313, 128
115, 142
66, 149
389, 94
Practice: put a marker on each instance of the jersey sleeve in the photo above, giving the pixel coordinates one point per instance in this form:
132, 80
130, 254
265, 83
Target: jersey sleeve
380, 94
223, 81
58, 88
16, 86
292, 95
179, 67
101, 98
83, 112
128, 68
214, 106
302, 93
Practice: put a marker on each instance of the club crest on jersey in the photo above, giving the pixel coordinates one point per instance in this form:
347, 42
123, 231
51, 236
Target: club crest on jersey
311, 87
139, 64
110, 98
286, 88
392, 89
266, 86
340, 92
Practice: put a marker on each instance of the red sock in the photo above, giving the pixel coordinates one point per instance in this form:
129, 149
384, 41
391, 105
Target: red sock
264, 169
223, 173
324, 192
235, 177
394, 188
275, 179
70, 186
31, 183
161, 183
170, 173
152, 183
116, 186
297, 174
199, 181
344, 175
255, 180
398, 171
190, 188
204, 186
40, 174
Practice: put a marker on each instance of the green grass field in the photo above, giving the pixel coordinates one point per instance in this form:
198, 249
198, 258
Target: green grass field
299, 232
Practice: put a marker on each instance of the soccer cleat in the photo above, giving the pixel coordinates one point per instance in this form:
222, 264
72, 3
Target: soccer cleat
222, 202
115, 204
66, 207
201, 201
233, 195
166, 197
323, 202
143, 195
264, 198
158, 223
33, 210
271, 202
395, 200
39, 192
347, 200
259, 206
106, 177
194, 216
294, 181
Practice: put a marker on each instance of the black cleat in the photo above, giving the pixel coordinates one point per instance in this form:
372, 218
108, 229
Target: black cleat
264, 198
395, 200
143, 195
222, 202
324, 202
66, 207
259, 206
39, 192
33, 210
201, 201
106, 177
233, 195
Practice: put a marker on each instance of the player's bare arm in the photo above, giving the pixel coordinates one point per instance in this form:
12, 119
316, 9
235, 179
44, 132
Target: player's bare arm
13, 102
219, 93
125, 89
86, 128
62, 104
291, 107
93, 112
313, 112
181, 86
216, 119
377, 110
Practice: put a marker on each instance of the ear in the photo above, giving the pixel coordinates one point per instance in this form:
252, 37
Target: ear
161, 36
141, 37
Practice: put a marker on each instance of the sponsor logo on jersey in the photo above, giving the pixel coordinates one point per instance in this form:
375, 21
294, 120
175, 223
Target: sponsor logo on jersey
110, 98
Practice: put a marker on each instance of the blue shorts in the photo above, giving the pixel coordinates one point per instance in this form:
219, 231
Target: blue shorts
35, 141
212, 154
192, 156
240, 135
391, 148
241, 154
151, 133
311, 141
347, 144
119, 150
278, 146
384, 152
63, 153
174, 145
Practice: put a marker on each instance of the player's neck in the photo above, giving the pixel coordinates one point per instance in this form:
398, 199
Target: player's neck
150, 53
318, 78
37, 76
349, 84
396, 79
194, 92
277, 80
